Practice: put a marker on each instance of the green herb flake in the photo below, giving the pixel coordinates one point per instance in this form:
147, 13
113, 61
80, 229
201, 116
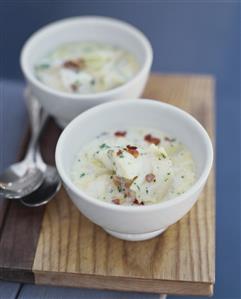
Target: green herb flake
43, 66
82, 174
102, 146
182, 176
137, 186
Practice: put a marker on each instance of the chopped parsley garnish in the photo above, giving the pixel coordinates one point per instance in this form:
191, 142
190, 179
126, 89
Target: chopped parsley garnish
137, 186
82, 174
43, 66
102, 146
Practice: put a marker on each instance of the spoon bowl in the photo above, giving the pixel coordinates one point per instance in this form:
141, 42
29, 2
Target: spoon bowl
19, 180
50, 186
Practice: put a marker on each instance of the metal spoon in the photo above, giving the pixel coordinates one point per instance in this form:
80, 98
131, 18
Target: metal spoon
22, 186
22, 178
50, 186
47, 190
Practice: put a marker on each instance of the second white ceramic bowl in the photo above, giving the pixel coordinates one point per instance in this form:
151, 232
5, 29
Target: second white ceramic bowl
134, 222
65, 106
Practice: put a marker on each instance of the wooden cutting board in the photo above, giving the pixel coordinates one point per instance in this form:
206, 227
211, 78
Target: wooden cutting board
56, 245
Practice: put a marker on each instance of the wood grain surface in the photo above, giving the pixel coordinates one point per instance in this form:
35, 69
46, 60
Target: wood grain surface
64, 248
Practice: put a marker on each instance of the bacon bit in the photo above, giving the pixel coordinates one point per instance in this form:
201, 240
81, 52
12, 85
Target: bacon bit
117, 180
149, 138
131, 147
120, 133
150, 177
76, 65
123, 182
124, 185
130, 182
136, 202
132, 150
170, 139
120, 152
116, 201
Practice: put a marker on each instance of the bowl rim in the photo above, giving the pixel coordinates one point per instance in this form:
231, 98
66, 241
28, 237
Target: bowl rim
145, 64
162, 205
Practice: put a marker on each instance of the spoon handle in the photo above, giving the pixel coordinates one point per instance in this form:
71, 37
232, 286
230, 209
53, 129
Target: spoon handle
38, 118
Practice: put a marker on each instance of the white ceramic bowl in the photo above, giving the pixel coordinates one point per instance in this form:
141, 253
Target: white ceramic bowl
134, 222
64, 106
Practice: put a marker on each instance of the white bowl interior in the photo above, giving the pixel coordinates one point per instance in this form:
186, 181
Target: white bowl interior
135, 113
85, 29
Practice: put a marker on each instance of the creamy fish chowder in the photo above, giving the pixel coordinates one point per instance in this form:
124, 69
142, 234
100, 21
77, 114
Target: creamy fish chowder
134, 167
86, 67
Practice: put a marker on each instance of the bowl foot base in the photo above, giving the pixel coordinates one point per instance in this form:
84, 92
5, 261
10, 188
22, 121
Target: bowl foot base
135, 237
